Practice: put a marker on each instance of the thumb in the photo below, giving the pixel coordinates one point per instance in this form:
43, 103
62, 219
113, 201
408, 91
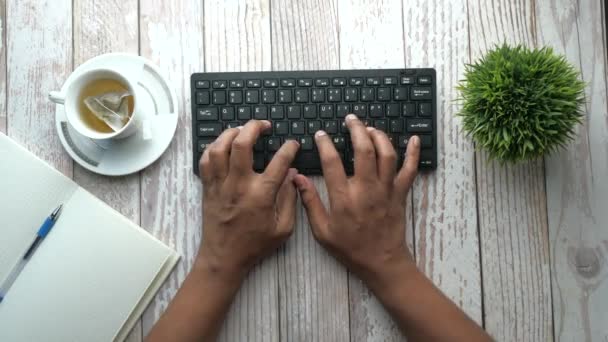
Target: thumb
317, 214
286, 204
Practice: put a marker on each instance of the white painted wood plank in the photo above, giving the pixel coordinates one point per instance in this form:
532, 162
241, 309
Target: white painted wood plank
3, 94
39, 59
371, 36
102, 27
237, 38
577, 191
171, 35
445, 218
511, 204
313, 287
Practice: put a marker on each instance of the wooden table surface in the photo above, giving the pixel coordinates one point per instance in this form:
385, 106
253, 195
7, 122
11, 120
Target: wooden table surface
522, 249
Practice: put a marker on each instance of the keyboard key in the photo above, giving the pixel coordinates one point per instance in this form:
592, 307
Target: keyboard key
421, 93
425, 109
373, 81
269, 156
260, 112
202, 144
271, 83
383, 94
390, 80
259, 145
285, 96
367, 94
307, 160
310, 111
313, 126
211, 129
396, 125
254, 83
273, 144
351, 94
294, 112
423, 80
244, 113
342, 110
334, 95
419, 125
258, 162
219, 97
288, 82
392, 110
318, 95
227, 113
375, 110
277, 112
338, 81
339, 142
219, 84
236, 84
355, 81
360, 110
402, 142
393, 139
202, 97
301, 95
426, 158
305, 82
306, 143
207, 114
322, 82
407, 80
408, 109
330, 126
326, 111
400, 94
426, 141
381, 125
252, 96
297, 127
268, 96
281, 127
235, 97
201, 84
343, 127
229, 125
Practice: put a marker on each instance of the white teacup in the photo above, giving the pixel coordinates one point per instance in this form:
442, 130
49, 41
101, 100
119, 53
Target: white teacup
70, 97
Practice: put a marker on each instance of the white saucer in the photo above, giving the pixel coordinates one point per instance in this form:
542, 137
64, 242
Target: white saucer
125, 156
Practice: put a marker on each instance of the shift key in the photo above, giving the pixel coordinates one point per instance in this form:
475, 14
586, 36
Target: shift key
209, 129
419, 125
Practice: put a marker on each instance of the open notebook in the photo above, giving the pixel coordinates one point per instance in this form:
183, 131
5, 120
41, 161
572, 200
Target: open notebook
93, 275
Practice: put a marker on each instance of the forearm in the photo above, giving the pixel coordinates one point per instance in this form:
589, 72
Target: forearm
422, 312
200, 306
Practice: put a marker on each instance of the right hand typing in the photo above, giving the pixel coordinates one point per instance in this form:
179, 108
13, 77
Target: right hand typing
364, 227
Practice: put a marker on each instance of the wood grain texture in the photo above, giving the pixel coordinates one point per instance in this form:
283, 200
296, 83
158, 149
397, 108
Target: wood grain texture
511, 204
237, 38
445, 218
171, 36
39, 59
371, 36
3, 95
104, 26
313, 287
576, 190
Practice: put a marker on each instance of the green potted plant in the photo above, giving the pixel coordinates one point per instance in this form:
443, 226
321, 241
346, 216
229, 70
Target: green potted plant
519, 103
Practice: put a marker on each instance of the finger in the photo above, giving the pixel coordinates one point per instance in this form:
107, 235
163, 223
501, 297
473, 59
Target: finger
204, 168
286, 204
365, 154
241, 156
316, 212
219, 152
279, 165
408, 171
333, 170
386, 158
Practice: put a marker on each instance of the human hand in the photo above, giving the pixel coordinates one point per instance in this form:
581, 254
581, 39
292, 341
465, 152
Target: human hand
246, 215
365, 225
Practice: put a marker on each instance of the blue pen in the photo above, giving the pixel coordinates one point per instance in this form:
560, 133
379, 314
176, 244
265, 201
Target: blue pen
42, 233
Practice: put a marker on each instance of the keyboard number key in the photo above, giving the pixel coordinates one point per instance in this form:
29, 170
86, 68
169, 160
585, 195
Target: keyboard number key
268, 96
301, 95
367, 94
219, 97
252, 96
202, 97
334, 95
318, 95
351, 94
285, 96
235, 97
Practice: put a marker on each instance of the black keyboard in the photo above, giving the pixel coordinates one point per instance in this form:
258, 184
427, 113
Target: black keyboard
400, 102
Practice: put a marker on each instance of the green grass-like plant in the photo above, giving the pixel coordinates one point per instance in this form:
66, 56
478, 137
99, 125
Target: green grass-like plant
521, 103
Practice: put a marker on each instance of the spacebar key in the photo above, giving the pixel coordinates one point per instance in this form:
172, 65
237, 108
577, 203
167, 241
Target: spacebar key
307, 160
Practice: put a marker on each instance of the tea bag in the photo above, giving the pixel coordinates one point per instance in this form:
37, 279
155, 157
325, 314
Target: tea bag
111, 108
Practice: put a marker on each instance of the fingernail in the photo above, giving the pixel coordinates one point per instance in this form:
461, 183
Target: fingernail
239, 127
297, 142
266, 123
320, 134
415, 140
369, 129
351, 117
